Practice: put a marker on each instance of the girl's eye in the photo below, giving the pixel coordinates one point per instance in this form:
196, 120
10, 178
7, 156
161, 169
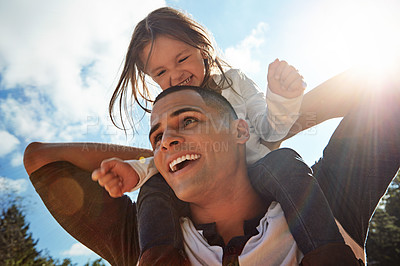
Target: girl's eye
160, 73
183, 59
189, 120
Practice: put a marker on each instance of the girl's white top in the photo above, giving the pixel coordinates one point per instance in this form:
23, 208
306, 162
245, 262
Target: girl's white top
270, 118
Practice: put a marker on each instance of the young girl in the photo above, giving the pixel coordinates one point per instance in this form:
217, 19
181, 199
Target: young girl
172, 49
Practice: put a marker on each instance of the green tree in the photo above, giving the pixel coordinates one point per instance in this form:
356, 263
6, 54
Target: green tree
393, 200
17, 246
97, 262
383, 244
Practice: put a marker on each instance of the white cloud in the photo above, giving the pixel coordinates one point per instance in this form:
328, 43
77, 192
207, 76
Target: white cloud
16, 159
243, 55
8, 143
28, 118
17, 186
77, 249
64, 58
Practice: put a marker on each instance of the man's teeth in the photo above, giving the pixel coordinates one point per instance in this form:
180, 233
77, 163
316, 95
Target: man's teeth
186, 81
187, 157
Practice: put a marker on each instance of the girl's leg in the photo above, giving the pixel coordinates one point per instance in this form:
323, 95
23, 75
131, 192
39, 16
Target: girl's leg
283, 176
158, 217
361, 159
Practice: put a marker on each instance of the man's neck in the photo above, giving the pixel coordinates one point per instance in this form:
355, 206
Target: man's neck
230, 209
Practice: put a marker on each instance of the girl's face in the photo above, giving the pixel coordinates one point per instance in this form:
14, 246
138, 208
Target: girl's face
173, 63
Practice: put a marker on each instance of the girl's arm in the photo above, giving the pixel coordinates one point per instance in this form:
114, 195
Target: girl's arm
271, 116
118, 176
87, 156
333, 98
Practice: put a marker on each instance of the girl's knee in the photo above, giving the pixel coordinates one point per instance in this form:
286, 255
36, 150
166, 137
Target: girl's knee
283, 156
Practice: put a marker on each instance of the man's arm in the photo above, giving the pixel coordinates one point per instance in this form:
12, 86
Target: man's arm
87, 156
106, 225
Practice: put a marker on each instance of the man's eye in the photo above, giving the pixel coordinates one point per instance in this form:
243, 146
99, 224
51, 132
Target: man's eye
157, 139
189, 120
183, 59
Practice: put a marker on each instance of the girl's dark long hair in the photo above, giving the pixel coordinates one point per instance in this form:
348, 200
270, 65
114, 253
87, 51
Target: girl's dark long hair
162, 21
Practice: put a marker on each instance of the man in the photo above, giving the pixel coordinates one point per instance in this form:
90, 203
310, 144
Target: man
108, 226
215, 181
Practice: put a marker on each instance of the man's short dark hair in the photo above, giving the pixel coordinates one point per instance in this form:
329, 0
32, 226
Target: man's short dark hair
210, 97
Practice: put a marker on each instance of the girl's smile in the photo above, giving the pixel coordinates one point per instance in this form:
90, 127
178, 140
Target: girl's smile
173, 63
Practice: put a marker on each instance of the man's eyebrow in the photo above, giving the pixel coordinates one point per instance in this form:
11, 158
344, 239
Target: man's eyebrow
154, 128
174, 114
184, 110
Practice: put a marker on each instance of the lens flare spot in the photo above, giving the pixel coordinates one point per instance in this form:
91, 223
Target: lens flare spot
73, 199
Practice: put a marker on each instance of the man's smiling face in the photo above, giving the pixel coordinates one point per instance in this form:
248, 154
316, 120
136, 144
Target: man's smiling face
193, 145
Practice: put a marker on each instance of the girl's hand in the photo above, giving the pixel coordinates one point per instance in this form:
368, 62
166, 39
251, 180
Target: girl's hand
285, 80
116, 176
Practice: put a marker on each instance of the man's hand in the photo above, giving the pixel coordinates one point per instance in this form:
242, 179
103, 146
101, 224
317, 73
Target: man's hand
116, 176
285, 80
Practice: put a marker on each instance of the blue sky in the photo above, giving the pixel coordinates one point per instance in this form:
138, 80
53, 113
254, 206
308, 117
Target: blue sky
59, 61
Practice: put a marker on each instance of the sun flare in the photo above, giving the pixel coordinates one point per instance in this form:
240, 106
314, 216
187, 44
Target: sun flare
357, 33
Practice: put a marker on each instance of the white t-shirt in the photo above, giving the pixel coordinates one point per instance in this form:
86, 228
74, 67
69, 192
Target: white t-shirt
273, 245
270, 118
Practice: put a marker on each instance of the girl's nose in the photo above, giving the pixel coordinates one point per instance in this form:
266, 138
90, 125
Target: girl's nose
176, 77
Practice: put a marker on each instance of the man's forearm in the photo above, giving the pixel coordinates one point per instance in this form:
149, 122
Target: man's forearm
87, 156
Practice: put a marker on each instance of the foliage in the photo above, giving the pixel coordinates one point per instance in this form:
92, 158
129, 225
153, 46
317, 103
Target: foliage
393, 200
383, 244
97, 262
17, 246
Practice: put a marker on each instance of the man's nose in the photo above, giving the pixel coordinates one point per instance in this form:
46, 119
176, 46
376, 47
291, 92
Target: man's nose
170, 139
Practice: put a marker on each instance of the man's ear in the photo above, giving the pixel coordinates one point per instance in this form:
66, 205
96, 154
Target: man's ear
241, 130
